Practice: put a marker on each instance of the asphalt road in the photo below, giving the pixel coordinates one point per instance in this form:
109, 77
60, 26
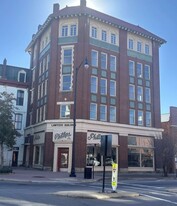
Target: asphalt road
161, 192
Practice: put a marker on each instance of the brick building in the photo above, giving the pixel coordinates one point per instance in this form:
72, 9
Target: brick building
15, 80
118, 94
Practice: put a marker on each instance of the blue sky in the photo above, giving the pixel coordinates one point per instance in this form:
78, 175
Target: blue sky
19, 19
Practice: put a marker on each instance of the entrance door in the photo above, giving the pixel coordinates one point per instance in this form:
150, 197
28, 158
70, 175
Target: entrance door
63, 156
14, 158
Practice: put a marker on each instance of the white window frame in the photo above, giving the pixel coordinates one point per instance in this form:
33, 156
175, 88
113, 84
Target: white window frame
147, 95
148, 119
139, 46
103, 115
95, 59
65, 106
112, 64
73, 30
139, 70
104, 35
130, 44
147, 67
146, 49
113, 89
95, 111
139, 93
140, 118
112, 117
131, 95
103, 87
103, 60
131, 69
94, 32
95, 90
113, 38
64, 31
131, 116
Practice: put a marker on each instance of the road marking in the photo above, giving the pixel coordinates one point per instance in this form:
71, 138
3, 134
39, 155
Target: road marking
161, 199
138, 185
162, 194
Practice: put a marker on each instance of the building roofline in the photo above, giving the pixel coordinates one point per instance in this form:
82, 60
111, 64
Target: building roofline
76, 11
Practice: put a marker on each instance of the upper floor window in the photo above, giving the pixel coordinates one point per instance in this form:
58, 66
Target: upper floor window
132, 116
104, 35
67, 56
131, 68
139, 46
112, 88
73, 30
113, 39
94, 32
139, 70
140, 93
20, 97
131, 92
103, 61
140, 117
112, 115
146, 49
147, 72
103, 86
18, 121
22, 76
93, 111
103, 112
94, 58
130, 44
64, 31
112, 63
147, 95
148, 119
94, 83
65, 111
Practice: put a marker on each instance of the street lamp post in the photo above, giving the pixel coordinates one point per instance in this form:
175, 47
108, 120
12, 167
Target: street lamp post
73, 174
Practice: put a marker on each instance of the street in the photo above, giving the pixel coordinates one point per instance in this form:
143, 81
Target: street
152, 192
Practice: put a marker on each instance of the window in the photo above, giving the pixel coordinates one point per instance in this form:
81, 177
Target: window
93, 111
22, 76
67, 56
148, 119
94, 32
64, 31
20, 97
113, 39
94, 83
66, 82
65, 111
139, 70
131, 68
18, 121
140, 94
132, 116
103, 61
139, 46
112, 116
37, 150
94, 58
130, 44
147, 49
73, 30
103, 86
140, 117
131, 92
147, 72
104, 36
112, 88
103, 112
147, 95
112, 63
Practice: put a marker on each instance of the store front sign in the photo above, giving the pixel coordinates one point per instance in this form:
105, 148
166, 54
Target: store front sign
38, 138
95, 138
62, 136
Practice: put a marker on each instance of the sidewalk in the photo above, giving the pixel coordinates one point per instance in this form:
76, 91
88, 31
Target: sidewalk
40, 176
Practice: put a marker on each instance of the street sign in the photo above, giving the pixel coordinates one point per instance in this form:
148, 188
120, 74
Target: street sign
114, 176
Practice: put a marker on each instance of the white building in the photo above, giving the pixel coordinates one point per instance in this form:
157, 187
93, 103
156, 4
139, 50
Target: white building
15, 80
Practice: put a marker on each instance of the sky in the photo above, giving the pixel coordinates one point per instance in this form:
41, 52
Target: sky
19, 20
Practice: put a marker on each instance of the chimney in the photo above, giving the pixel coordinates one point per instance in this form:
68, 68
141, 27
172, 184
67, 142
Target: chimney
4, 69
83, 3
5, 62
56, 8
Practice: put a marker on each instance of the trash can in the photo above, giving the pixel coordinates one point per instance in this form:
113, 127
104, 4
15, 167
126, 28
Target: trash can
88, 173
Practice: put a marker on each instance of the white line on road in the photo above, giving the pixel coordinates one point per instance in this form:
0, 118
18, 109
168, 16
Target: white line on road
161, 199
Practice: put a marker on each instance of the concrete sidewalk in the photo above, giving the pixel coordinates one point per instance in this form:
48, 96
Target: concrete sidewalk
40, 176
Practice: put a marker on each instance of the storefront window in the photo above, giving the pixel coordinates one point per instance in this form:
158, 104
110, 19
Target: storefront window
36, 161
140, 151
